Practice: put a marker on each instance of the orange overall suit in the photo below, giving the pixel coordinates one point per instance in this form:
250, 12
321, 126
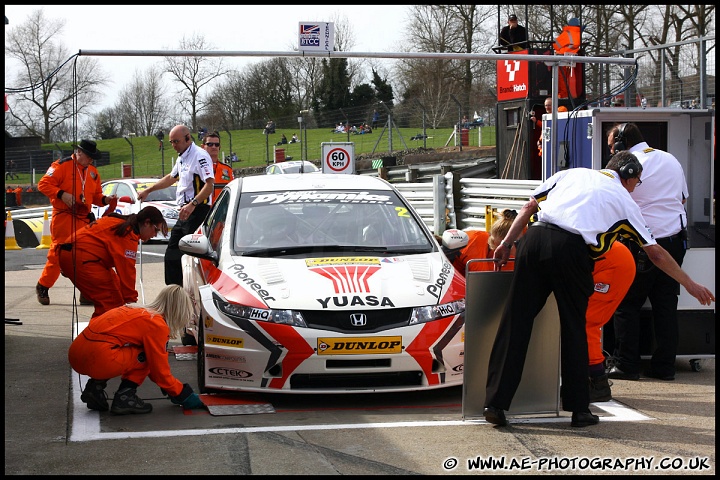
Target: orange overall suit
613, 274
223, 175
66, 175
130, 342
477, 248
88, 261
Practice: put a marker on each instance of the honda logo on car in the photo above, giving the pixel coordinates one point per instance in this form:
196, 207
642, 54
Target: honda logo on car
358, 345
358, 319
225, 341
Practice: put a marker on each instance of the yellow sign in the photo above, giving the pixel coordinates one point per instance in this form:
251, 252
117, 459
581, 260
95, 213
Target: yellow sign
225, 341
358, 345
321, 262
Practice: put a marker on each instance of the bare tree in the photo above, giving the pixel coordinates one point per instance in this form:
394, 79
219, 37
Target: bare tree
142, 103
194, 73
57, 90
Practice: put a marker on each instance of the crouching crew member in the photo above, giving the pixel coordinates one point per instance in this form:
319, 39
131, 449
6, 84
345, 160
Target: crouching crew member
131, 342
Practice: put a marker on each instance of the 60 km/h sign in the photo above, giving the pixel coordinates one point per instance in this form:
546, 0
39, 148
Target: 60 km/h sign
338, 157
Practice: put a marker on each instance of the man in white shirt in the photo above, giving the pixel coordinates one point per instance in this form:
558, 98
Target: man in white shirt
194, 173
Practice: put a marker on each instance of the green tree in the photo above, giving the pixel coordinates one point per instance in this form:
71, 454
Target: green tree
334, 91
383, 89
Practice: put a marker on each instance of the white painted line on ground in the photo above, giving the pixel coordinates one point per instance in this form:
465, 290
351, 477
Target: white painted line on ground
86, 423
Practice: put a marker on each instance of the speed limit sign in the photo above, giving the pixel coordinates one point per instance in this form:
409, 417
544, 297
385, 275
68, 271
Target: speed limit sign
338, 157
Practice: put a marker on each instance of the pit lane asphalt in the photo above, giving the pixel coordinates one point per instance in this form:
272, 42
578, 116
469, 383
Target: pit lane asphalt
49, 431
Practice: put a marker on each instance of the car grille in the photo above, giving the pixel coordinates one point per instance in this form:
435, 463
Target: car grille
341, 321
356, 380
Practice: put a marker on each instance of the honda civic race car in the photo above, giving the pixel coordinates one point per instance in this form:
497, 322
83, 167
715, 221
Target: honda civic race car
127, 191
321, 283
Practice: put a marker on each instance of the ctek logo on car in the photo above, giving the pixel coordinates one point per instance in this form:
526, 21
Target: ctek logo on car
358, 345
230, 372
225, 341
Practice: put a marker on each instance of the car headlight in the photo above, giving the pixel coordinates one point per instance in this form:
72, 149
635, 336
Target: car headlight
434, 312
285, 317
171, 213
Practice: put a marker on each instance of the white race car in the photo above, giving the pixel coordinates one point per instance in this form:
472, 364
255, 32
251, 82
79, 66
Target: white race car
127, 190
322, 284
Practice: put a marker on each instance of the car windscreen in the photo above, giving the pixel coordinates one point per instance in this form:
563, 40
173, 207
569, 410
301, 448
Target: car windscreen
166, 194
347, 220
296, 169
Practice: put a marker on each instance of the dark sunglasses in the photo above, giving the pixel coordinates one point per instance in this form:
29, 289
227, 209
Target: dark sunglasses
211, 144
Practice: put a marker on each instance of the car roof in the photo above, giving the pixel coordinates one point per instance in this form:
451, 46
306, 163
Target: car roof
293, 163
134, 180
316, 181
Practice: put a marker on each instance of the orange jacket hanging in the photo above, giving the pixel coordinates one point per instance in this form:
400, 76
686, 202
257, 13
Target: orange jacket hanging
569, 40
110, 345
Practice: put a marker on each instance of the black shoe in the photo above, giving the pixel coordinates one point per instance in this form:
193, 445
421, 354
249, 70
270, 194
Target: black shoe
617, 374
94, 395
496, 416
600, 389
584, 419
659, 376
126, 401
43, 294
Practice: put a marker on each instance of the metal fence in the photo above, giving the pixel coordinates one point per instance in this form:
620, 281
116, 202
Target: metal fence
457, 195
680, 74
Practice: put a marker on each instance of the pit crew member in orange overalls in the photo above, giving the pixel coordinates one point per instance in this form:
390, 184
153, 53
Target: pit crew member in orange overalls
223, 172
613, 274
474, 244
100, 259
131, 341
73, 185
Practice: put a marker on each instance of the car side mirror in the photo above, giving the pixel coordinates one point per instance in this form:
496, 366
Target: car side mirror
198, 245
126, 199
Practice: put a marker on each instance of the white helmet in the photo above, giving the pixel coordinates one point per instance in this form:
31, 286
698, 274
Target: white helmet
454, 239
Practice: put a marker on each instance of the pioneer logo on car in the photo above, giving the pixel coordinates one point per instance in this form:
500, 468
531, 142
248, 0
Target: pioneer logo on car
225, 341
436, 289
358, 345
243, 277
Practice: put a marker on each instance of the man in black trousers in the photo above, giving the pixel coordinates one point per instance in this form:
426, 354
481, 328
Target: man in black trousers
583, 213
